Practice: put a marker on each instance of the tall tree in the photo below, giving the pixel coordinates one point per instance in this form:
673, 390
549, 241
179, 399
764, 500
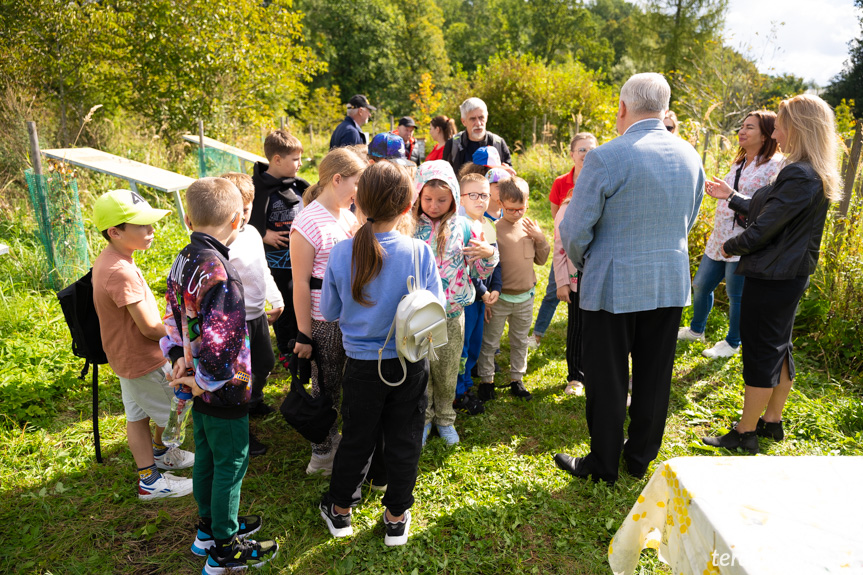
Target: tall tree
683, 27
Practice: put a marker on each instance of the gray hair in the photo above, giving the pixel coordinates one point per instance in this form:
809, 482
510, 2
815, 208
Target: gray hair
470, 105
646, 93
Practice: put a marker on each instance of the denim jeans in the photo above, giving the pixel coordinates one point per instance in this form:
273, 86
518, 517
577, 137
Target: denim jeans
710, 273
547, 307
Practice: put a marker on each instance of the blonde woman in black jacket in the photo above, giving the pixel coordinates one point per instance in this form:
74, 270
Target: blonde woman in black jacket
779, 251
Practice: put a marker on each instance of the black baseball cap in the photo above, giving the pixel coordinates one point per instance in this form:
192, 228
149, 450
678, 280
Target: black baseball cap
360, 101
407, 121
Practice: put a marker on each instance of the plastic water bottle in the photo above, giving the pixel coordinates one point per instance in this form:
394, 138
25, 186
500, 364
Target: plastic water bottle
181, 403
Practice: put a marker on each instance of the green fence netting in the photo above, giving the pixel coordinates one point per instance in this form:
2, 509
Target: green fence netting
213, 162
54, 198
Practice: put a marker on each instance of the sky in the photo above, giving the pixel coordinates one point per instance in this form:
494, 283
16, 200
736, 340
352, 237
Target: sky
811, 35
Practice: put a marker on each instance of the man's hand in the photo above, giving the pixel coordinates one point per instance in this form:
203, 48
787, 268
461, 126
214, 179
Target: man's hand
532, 229
274, 314
276, 239
509, 169
563, 293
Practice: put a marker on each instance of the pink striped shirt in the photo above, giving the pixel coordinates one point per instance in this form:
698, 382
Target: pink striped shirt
318, 227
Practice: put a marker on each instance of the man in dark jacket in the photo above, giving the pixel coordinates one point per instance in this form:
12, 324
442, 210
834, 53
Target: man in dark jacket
459, 150
405, 130
348, 133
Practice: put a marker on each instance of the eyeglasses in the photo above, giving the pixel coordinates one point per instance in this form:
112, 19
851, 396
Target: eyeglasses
242, 220
669, 128
477, 196
515, 211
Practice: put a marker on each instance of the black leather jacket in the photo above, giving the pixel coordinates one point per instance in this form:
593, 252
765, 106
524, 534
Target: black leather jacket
785, 222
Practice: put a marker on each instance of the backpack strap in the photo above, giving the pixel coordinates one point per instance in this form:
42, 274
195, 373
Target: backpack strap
413, 285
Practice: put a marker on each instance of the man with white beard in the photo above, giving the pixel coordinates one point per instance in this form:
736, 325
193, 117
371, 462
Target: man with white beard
459, 150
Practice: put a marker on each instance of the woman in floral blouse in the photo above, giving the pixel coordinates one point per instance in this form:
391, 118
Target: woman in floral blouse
756, 165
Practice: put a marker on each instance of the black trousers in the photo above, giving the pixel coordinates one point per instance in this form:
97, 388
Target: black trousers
261, 351
575, 370
371, 408
285, 327
609, 339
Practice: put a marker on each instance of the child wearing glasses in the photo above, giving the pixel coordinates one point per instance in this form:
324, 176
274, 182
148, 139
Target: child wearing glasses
474, 199
579, 146
521, 244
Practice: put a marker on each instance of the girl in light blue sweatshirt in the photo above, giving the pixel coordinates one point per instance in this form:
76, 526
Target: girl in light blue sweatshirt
365, 278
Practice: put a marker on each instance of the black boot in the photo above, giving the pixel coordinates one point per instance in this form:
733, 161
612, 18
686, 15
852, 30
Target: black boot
770, 429
735, 440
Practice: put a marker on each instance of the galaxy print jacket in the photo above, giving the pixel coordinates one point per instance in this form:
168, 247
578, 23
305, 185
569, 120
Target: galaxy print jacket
206, 317
455, 272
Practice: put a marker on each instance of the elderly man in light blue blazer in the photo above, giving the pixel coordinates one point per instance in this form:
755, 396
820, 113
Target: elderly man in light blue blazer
626, 230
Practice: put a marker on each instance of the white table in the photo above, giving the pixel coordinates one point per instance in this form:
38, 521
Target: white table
243, 155
133, 172
748, 515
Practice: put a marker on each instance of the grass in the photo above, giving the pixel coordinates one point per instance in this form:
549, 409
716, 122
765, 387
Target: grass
495, 503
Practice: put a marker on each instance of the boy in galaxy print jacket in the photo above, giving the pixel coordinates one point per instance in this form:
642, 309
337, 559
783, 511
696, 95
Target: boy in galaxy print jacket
206, 335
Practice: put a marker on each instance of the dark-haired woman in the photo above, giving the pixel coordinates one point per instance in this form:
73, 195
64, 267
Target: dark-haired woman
441, 130
756, 164
364, 282
779, 250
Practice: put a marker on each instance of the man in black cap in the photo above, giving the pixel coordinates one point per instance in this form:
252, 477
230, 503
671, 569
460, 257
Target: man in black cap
348, 133
405, 130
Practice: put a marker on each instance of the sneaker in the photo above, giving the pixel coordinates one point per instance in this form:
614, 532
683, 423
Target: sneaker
166, 486
735, 440
533, 342
574, 388
260, 410
204, 539
686, 334
397, 531
517, 389
256, 448
239, 556
770, 429
448, 434
338, 524
468, 404
321, 463
721, 349
175, 458
426, 431
486, 392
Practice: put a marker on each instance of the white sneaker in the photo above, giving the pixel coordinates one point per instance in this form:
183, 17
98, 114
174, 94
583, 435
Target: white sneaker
533, 343
574, 388
166, 486
686, 334
321, 463
721, 349
175, 458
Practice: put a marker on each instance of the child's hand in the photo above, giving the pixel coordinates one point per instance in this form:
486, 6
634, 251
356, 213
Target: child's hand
277, 239
492, 297
477, 250
189, 381
563, 293
274, 314
532, 229
488, 313
179, 369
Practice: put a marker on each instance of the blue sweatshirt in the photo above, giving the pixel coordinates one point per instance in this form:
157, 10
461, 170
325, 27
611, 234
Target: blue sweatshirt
364, 329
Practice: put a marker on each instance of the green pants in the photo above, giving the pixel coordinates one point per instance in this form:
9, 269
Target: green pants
221, 460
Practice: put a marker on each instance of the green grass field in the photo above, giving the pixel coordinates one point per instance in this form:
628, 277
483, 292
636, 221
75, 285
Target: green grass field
495, 503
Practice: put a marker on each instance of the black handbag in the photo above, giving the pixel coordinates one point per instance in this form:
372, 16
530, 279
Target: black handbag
311, 416
738, 218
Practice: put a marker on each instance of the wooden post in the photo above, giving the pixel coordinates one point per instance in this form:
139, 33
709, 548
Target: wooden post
706, 145
35, 152
281, 122
850, 176
36, 159
544, 127
392, 123
311, 136
533, 139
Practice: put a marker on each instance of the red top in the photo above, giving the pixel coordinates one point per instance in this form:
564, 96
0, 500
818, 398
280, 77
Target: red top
561, 187
436, 153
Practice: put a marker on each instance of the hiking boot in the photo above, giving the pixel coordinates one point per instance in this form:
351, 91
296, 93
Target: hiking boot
240, 555
735, 440
338, 524
468, 404
426, 431
686, 334
175, 458
448, 434
204, 538
397, 531
771, 429
721, 349
166, 486
486, 392
256, 448
517, 389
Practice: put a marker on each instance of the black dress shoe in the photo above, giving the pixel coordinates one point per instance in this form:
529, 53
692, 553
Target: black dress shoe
575, 466
770, 429
747, 441
636, 471
256, 448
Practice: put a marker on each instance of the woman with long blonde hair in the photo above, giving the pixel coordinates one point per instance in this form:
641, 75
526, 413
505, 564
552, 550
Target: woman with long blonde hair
779, 251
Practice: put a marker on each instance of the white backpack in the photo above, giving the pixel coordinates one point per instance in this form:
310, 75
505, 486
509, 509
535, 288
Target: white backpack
420, 324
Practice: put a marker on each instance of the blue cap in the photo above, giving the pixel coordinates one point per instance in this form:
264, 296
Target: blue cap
487, 156
389, 146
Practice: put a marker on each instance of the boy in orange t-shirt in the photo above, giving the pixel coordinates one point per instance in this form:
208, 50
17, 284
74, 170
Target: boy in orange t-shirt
131, 327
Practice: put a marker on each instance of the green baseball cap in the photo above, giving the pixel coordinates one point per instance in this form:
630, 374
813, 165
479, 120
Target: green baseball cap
124, 207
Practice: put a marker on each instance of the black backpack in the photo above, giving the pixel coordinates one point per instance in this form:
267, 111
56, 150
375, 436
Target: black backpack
76, 301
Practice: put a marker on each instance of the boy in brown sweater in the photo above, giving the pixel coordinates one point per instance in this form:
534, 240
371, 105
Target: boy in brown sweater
521, 244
